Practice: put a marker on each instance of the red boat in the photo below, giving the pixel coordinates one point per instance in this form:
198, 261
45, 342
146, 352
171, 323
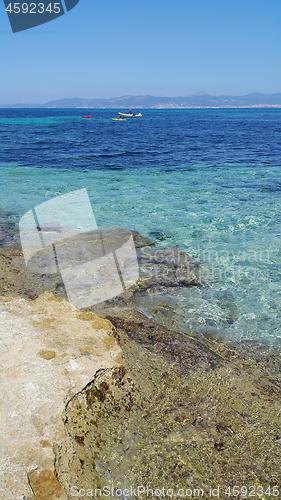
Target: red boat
87, 116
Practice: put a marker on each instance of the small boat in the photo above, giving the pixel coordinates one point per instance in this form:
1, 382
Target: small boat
119, 119
129, 115
87, 116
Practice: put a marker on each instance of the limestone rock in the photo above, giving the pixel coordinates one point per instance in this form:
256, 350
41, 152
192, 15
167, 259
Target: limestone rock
49, 352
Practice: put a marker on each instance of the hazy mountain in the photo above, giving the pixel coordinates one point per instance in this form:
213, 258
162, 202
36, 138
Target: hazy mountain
201, 99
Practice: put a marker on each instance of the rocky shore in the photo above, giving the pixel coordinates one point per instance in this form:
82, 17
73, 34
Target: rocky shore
108, 397
48, 354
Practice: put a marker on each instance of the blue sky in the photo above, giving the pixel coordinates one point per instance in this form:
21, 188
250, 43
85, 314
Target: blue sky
109, 48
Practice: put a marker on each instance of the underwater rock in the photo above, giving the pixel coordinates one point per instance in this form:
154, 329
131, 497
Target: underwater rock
175, 415
158, 267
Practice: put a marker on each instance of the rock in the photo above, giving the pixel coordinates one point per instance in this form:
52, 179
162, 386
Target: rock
158, 267
173, 410
45, 485
8, 232
166, 267
175, 415
49, 352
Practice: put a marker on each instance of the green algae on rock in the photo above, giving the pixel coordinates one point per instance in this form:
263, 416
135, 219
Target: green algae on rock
162, 422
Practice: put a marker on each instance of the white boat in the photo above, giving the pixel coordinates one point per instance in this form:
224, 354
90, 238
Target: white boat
130, 115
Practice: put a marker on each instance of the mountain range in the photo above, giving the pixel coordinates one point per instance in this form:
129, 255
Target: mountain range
200, 100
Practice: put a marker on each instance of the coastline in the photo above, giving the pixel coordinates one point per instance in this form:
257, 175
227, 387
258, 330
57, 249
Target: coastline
254, 106
204, 410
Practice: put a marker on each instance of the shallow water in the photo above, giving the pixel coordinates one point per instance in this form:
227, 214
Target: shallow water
206, 181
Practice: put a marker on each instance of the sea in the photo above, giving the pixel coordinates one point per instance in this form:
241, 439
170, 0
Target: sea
207, 181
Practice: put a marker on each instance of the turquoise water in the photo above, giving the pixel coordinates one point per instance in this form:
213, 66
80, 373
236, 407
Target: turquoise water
206, 181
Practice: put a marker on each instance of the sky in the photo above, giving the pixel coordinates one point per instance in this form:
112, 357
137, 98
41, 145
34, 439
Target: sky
111, 48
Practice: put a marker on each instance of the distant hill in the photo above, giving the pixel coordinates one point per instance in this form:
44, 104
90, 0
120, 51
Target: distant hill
200, 100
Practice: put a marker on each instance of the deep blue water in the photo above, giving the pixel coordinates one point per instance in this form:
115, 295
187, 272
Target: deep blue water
206, 181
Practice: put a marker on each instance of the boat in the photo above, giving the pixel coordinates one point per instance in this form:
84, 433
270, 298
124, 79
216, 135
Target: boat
87, 116
129, 115
119, 119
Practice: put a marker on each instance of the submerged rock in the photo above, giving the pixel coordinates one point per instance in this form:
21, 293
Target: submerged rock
158, 267
175, 416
